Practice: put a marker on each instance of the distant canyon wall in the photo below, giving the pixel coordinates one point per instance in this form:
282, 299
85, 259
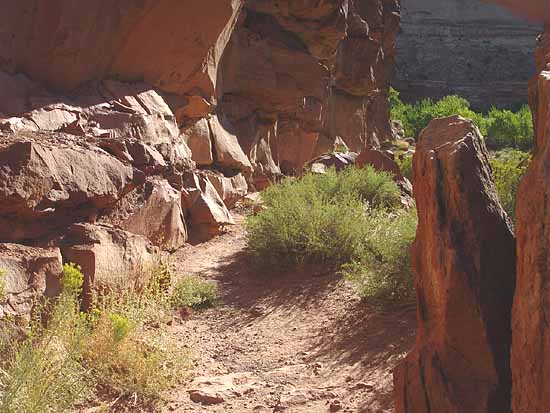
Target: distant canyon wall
467, 47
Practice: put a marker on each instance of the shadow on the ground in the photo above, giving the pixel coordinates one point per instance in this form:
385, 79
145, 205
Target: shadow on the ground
268, 291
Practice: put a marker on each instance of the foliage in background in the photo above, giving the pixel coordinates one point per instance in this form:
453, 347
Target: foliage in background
194, 292
502, 128
332, 219
110, 354
508, 167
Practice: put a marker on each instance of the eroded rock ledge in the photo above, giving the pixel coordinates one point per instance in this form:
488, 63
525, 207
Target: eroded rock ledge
129, 127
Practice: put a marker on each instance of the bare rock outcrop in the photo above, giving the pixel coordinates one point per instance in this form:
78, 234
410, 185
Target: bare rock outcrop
44, 186
531, 313
110, 258
27, 274
464, 261
298, 75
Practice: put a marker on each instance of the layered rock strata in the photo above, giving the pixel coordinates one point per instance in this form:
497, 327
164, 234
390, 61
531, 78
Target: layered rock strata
472, 48
463, 260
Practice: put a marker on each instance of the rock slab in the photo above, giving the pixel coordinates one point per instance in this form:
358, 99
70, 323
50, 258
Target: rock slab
464, 264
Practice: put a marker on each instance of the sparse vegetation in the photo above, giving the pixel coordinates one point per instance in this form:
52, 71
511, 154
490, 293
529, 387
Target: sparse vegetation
502, 128
111, 354
194, 292
336, 219
508, 168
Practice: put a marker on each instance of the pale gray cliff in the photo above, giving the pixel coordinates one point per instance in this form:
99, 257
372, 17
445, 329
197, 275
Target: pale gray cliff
465, 47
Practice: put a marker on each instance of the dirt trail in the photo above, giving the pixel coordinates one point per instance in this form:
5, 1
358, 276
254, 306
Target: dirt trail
298, 342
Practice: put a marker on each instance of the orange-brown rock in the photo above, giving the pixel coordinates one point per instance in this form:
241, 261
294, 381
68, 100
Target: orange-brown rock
110, 258
531, 313
464, 264
45, 186
154, 211
28, 274
173, 44
313, 70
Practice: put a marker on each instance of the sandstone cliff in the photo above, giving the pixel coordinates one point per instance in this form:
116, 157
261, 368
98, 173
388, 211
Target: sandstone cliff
471, 48
129, 126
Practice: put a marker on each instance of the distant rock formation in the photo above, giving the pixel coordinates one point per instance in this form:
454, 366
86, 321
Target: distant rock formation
467, 47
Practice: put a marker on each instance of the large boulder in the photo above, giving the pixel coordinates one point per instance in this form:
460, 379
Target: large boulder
230, 189
464, 264
531, 314
154, 211
111, 259
27, 274
205, 210
44, 185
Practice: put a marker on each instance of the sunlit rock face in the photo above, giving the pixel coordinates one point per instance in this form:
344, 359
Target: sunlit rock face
472, 48
464, 263
531, 313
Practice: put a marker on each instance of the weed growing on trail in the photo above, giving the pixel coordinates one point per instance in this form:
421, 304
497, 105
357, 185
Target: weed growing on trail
194, 292
508, 168
349, 220
110, 353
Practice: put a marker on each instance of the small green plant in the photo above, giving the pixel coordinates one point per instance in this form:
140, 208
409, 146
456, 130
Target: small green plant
194, 292
508, 168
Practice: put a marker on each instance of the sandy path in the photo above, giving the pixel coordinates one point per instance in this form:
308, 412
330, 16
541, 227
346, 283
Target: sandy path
298, 342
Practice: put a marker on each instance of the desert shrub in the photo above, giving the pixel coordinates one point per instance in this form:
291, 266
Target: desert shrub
341, 221
111, 352
382, 270
194, 292
503, 128
508, 167
318, 218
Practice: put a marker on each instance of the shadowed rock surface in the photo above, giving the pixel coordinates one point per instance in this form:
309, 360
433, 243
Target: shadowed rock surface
472, 48
464, 264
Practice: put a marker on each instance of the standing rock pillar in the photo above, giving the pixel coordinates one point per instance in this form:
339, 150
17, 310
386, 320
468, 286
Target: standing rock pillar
531, 313
464, 263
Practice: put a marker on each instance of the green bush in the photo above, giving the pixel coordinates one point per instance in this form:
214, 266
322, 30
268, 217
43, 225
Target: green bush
382, 271
194, 292
318, 218
508, 167
350, 221
503, 128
